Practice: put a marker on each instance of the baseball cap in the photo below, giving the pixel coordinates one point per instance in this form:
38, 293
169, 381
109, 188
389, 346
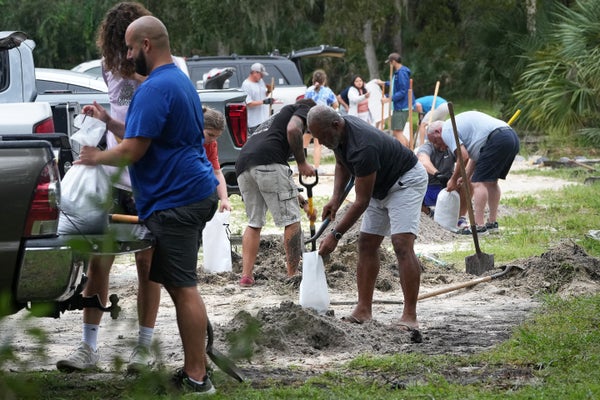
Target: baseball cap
394, 57
258, 67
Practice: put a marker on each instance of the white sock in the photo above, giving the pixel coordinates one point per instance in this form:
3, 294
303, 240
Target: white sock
90, 335
145, 336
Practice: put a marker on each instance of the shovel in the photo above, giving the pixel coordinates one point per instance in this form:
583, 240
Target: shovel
220, 360
505, 271
309, 187
327, 220
479, 262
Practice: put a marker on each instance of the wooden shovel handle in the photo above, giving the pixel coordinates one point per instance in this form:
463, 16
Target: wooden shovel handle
463, 172
470, 283
455, 287
128, 219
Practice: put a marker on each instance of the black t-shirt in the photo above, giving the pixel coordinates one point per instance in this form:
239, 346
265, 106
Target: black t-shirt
269, 143
344, 94
366, 150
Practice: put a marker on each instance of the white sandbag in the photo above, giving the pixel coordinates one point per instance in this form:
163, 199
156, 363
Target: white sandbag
84, 201
447, 208
216, 246
314, 292
85, 189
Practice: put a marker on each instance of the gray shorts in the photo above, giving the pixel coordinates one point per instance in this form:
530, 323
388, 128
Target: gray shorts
269, 187
178, 232
399, 119
400, 210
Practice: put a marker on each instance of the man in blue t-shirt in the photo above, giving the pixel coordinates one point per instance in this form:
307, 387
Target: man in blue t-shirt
173, 182
390, 185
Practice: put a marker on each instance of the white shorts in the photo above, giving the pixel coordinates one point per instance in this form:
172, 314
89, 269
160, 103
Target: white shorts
400, 210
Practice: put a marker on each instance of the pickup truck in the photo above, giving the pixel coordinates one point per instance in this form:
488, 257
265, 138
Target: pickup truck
285, 71
19, 114
41, 270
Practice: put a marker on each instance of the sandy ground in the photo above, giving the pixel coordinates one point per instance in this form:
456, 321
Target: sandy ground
265, 329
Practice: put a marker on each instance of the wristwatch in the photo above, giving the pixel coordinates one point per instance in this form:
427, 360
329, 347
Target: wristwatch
337, 235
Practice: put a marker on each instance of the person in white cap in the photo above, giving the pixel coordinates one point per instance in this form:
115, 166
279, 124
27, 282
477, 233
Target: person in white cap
257, 98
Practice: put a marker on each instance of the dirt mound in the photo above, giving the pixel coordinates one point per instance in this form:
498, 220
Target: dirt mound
486, 316
566, 270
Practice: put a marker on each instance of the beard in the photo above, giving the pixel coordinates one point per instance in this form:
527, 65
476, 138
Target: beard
141, 66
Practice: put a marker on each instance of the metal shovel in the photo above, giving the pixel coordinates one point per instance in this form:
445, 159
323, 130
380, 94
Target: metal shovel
220, 360
309, 187
479, 262
327, 220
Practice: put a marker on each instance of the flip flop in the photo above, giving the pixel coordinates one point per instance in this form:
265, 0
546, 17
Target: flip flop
352, 319
415, 334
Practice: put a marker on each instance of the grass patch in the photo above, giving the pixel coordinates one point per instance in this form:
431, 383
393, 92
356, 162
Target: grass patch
540, 221
555, 354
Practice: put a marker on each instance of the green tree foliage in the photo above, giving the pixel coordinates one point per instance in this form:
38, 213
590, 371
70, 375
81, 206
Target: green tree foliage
476, 49
559, 90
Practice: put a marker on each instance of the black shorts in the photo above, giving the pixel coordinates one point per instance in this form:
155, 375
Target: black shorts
497, 155
178, 232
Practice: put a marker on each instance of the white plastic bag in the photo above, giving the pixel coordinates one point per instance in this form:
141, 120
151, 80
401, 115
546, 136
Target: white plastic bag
447, 208
90, 132
314, 292
216, 245
85, 189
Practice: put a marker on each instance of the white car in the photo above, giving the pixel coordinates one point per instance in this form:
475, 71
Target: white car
61, 86
93, 67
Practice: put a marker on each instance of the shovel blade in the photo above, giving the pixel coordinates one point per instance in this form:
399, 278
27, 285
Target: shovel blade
479, 263
225, 364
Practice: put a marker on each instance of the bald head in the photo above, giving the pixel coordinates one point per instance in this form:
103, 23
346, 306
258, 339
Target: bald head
326, 125
147, 43
151, 28
321, 116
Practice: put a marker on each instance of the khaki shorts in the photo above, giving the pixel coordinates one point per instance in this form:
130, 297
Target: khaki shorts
400, 210
269, 187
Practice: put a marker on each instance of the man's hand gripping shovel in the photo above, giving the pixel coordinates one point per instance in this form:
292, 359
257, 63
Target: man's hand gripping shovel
326, 221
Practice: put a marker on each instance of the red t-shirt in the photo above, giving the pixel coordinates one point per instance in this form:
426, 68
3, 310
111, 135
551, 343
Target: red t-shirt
212, 153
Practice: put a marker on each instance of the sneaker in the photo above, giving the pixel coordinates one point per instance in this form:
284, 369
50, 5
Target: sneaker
141, 359
246, 281
481, 230
183, 382
492, 227
81, 359
431, 213
462, 223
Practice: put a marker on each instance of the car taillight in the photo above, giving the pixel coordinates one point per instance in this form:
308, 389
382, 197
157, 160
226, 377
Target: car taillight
238, 123
46, 126
43, 214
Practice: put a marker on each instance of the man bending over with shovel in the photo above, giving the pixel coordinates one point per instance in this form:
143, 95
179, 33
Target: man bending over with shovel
389, 187
488, 147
